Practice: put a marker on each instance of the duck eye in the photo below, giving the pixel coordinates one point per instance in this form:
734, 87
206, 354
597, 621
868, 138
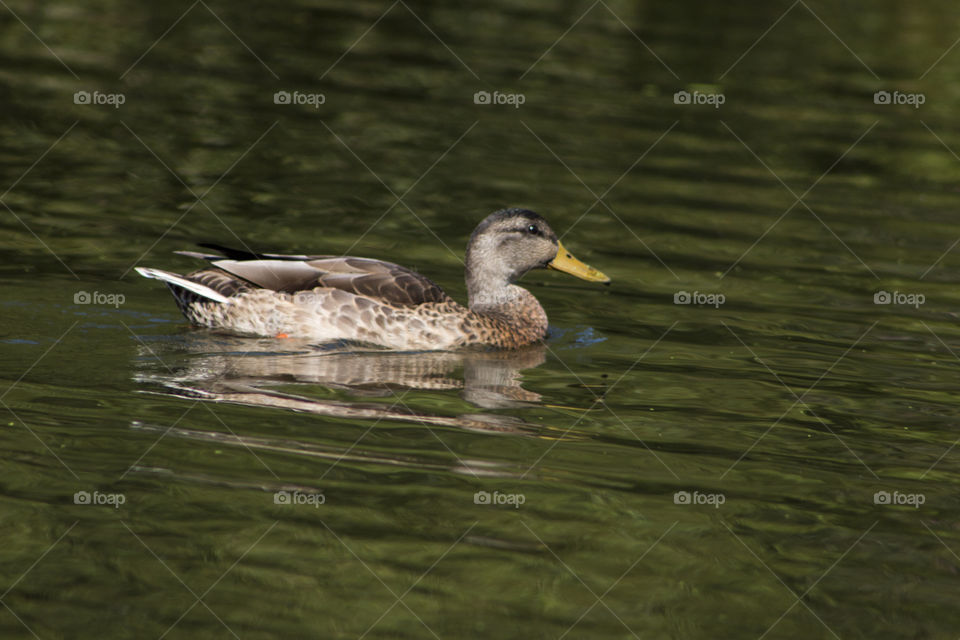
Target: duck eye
533, 229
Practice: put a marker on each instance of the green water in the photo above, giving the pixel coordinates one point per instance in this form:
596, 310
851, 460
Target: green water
783, 411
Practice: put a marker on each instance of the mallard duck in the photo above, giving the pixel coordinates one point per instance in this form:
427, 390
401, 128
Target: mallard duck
331, 298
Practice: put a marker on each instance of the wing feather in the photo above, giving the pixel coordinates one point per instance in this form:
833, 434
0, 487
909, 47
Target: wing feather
377, 279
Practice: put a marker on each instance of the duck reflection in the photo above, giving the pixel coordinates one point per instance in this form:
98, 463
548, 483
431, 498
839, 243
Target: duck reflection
258, 373
244, 371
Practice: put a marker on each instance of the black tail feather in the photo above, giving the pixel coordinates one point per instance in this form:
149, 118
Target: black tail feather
242, 254
233, 254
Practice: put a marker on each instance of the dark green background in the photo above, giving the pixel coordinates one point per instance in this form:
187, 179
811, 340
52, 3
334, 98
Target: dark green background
694, 398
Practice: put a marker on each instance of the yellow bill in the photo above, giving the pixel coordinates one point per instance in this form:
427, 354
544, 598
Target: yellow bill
568, 264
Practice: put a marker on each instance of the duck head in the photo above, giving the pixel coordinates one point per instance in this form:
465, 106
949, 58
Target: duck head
509, 243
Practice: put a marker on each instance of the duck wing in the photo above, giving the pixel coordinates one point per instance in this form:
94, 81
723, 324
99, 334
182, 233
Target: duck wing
385, 281
378, 279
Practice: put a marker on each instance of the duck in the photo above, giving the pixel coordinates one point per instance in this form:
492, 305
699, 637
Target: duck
328, 298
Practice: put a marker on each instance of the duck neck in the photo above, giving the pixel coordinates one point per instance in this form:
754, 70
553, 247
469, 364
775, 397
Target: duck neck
493, 297
488, 281
486, 293
515, 310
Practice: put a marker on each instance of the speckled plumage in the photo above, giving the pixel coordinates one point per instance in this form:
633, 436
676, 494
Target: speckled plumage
326, 298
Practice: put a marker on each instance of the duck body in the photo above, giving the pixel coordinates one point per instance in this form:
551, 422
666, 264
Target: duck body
337, 298
427, 319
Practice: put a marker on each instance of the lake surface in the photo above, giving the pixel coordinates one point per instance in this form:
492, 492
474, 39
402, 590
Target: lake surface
750, 434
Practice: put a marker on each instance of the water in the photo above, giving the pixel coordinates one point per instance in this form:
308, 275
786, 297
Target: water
654, 470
